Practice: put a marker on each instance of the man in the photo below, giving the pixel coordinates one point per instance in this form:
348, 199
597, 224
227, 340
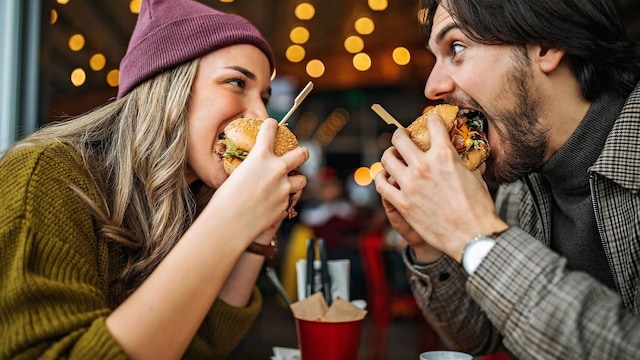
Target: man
555, 273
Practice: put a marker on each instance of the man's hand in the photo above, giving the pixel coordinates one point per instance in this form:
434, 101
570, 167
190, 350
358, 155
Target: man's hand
433, 194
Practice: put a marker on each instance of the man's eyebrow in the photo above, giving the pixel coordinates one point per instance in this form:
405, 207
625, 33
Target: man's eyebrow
443, 32
244, 71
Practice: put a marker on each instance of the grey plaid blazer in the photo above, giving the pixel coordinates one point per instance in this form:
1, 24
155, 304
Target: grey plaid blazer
523, 297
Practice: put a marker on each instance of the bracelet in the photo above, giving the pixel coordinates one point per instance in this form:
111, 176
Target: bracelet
265, 250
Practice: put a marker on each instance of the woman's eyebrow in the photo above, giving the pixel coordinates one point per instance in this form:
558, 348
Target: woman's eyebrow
244, 71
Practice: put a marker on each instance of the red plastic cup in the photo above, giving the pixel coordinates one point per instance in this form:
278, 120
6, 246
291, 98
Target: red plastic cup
319, 340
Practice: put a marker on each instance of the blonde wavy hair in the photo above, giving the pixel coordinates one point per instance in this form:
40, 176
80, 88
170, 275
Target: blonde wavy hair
136, 150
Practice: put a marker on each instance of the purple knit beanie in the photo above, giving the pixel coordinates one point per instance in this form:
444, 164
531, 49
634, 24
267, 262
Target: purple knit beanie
172, 32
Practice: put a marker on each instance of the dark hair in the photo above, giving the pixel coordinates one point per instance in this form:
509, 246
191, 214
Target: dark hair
602, 56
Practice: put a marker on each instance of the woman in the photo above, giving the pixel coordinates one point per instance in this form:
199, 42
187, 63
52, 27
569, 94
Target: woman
120, 234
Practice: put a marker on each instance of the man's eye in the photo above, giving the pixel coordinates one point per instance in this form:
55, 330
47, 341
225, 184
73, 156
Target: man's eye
456, 49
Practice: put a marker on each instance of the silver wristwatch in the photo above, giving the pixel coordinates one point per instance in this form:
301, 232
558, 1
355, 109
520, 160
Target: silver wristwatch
475, 251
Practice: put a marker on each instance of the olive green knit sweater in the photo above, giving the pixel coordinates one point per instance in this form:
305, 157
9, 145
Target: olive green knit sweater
55, 271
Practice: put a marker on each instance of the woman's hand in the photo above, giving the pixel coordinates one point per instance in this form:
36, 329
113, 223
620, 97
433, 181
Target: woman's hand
256, 195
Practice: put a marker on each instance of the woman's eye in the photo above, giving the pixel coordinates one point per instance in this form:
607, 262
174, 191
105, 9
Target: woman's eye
237, 82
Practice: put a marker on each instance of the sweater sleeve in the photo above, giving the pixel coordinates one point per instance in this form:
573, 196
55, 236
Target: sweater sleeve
53, 301
224, 322
55, 272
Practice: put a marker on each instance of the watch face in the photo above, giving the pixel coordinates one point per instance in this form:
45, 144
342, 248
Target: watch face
475, 252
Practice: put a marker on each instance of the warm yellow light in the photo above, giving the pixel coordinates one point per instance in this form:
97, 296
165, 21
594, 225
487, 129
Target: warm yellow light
423, 14
134, 6
63, 2
76, 42
78, 77
364, 25
97, 62
332, 125
361, 61
378, 5
305, 11
375, 168
113, 78
362, 176
226, 1
401, 56
295, 53
315, 68
299, 35
274, 74
54, 16
354, 44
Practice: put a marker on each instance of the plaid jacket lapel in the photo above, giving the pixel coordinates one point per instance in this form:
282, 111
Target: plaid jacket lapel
615, 182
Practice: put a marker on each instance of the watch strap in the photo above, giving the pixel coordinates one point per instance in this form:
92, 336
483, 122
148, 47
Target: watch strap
268, 250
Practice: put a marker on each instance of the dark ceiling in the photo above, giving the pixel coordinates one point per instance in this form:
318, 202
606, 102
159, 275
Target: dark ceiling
107, 25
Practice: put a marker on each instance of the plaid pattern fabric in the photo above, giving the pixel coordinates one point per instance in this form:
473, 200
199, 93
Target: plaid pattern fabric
523, 289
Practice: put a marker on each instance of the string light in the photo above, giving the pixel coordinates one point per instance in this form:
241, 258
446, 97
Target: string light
305, 11
375, 168
364, 25
354, 44
315, 68
76, 42
295, 53
113, 78
97, 62
78, 77
134, 6
362, 176
361, 61
401, 56
299, 35
378, 5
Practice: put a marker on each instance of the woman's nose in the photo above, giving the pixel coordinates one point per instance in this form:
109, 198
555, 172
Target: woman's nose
257, 109
439, 84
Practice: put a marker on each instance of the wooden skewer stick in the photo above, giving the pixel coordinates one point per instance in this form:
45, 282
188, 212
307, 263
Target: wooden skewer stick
385, 115
297, 101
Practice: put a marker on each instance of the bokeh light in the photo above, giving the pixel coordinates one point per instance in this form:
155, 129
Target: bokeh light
362, 176
78, 77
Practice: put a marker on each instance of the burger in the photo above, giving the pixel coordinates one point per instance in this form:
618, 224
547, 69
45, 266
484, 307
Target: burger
239, 137
466, 132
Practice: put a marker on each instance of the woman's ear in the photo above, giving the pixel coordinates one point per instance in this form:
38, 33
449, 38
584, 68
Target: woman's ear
548, 58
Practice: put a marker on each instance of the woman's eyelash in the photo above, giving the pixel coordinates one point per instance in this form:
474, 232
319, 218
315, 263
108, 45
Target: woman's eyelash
240, 82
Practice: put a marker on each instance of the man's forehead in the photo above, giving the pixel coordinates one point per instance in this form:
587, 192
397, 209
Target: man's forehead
441, 23
440, 15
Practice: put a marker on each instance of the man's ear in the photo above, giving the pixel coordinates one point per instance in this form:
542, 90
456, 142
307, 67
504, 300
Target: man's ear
548, 58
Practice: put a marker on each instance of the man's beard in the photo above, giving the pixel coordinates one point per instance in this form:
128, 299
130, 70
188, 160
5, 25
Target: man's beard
524, 140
